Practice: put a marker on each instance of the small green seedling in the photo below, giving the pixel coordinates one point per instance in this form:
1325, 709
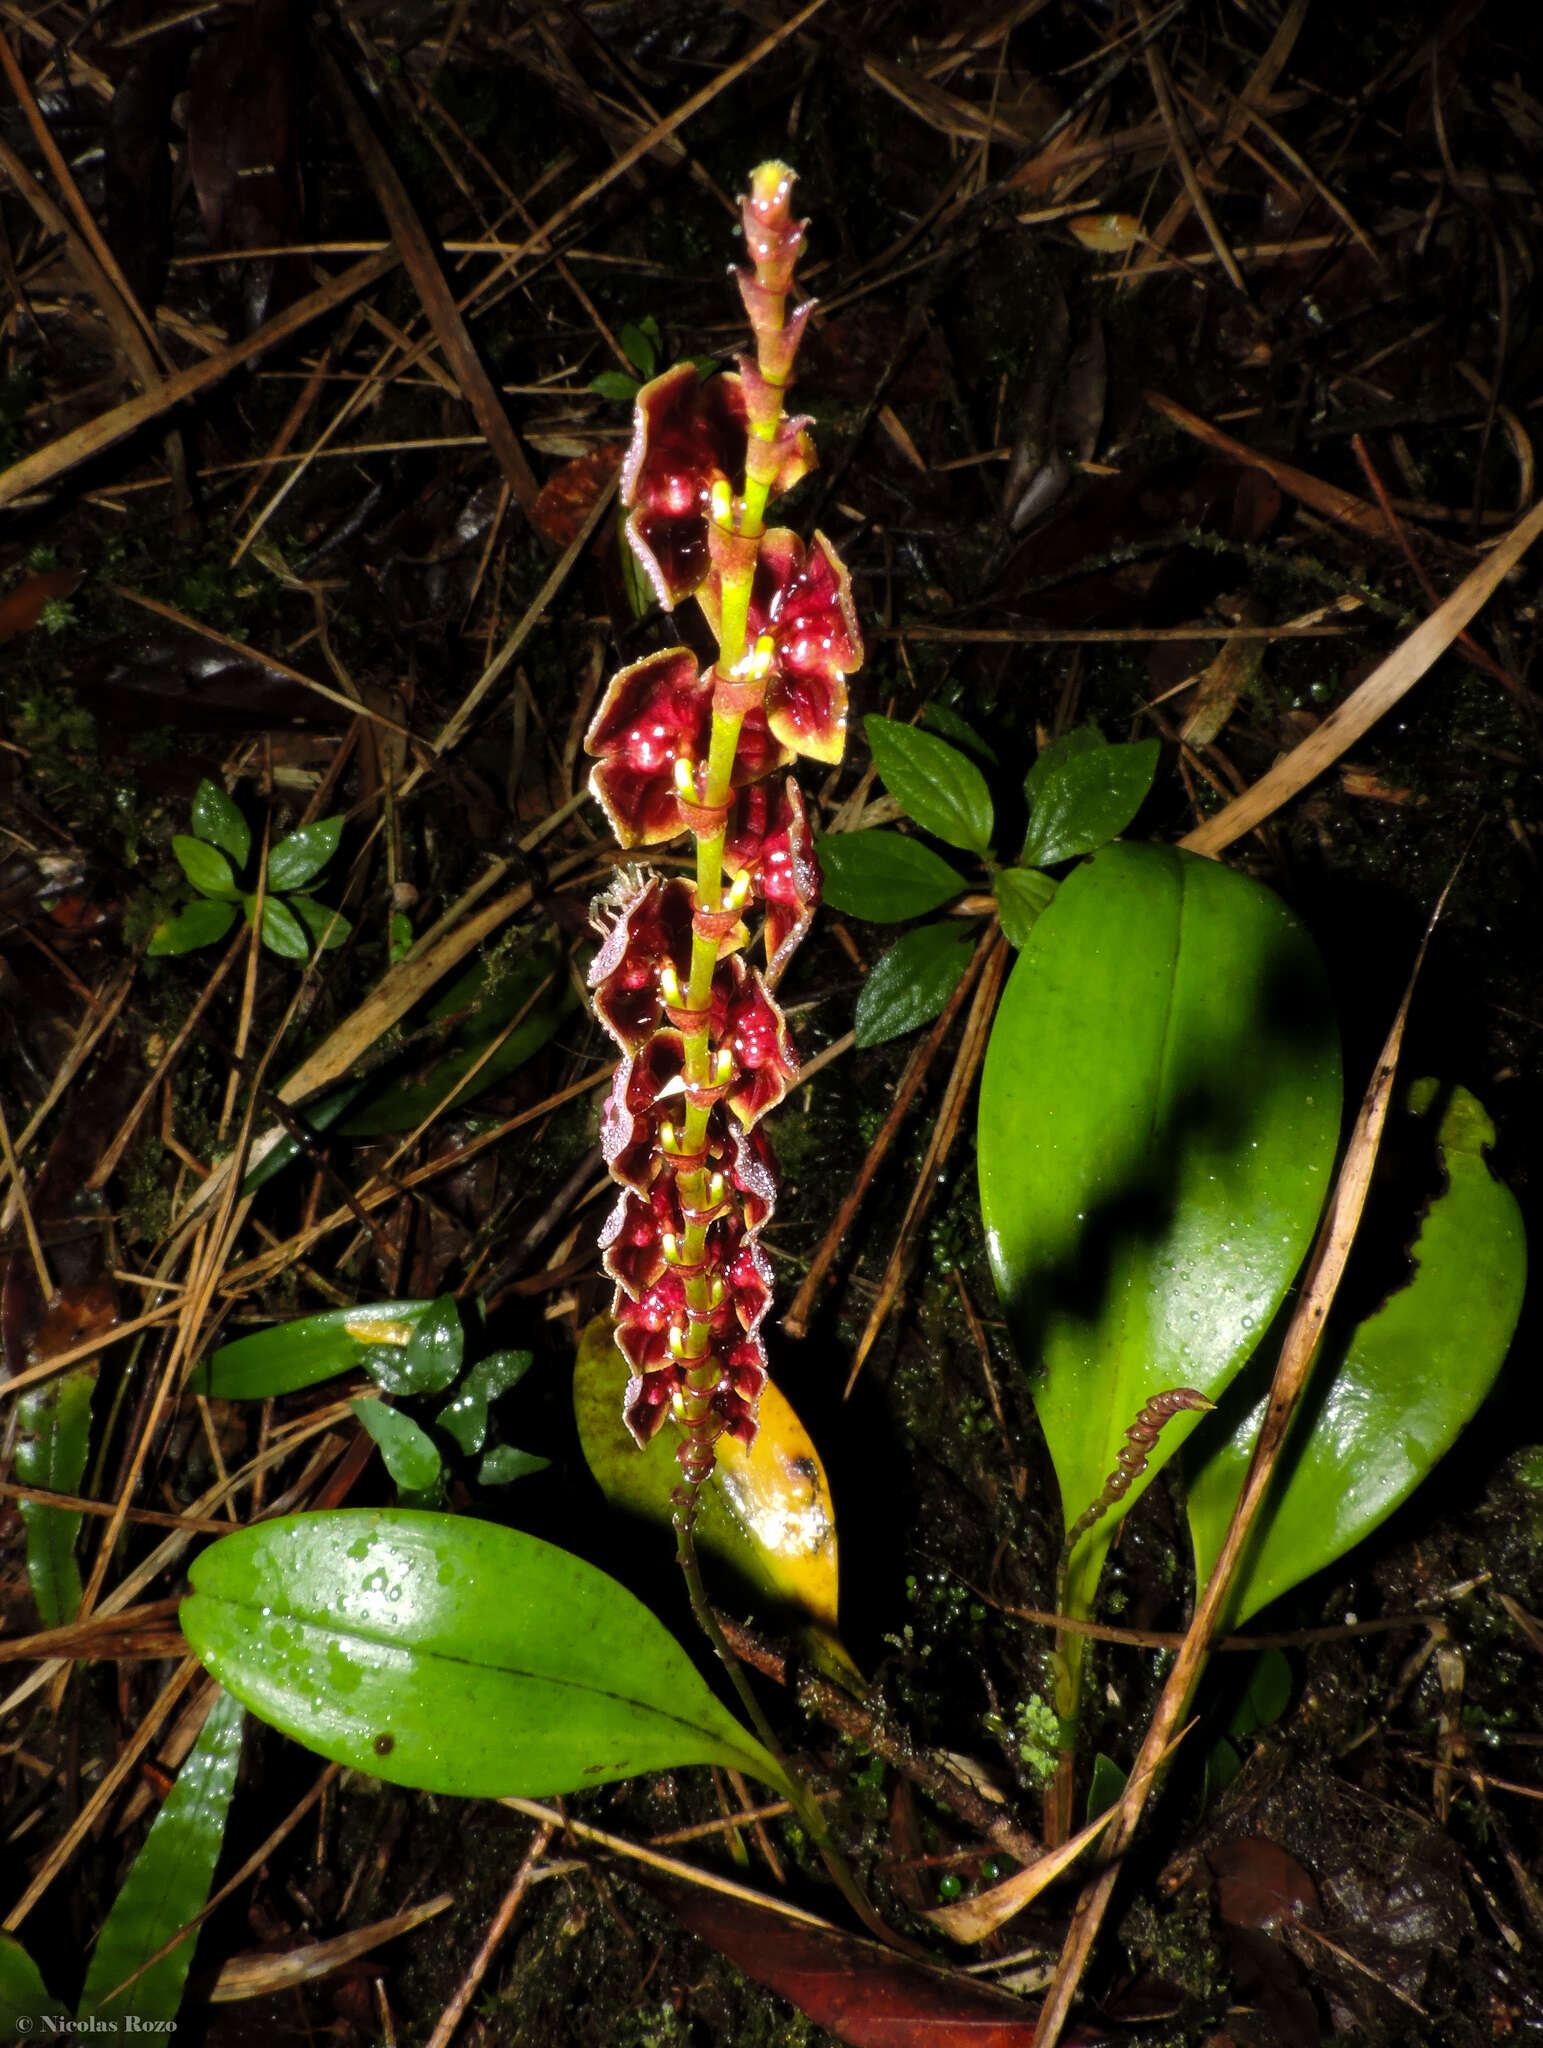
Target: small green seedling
212, 857
1082, 792
407, 1348
642, 344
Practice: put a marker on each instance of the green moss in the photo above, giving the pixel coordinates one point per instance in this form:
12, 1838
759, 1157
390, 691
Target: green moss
1177, 1945
145, 1197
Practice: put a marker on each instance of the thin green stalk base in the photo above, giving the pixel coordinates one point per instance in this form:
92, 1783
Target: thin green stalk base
804, 1803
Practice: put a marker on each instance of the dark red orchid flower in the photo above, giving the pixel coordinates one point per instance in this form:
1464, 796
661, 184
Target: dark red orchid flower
687, 438
651, 737
756, 1034
768, 837
803, 627
741, 1365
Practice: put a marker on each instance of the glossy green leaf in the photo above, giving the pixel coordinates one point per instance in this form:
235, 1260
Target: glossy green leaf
1022, 894
407, 1451
204, 865
505, 1463
484, 1000
283, 933
293, 860
932, 782
1387, 1398
912, 981
765, 1514
1158, 1116
431, 1357
217, 818
616, 385
1086, 798
328, 927
1266, 1694
640, 345
202, 923
450, 1654
167, 1886
313, 1348
1222, 1766
884, 876
466, 1415
27, 2007
1105, 1786
319, 1117
1054, 755
51, 1451
946, 722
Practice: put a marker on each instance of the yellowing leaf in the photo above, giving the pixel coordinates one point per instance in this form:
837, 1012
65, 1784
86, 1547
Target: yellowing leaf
765, 1512
1106, 234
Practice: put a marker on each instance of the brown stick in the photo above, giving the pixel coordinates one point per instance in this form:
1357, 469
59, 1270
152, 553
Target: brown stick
476, 386
796, 1321
1382, 689
972, 1051
499, 1926
1324, 498
108, 428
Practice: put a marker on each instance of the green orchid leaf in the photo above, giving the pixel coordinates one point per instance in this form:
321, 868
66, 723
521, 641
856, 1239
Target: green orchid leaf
217, 818
465, 1416
431, 1357
320, 1117
205, 866
504, 1463
1086, 798
615, 385
407, 1451
311, 1349
329, 928
27, 2007
933, 783
168, 1885
51, 1452
911, 982
765, 1516
1022, 893
1158, 1116
295, 859
884, 876
283, 933
453, 1655
202, 923
946, 722
534, 994
1388, 1398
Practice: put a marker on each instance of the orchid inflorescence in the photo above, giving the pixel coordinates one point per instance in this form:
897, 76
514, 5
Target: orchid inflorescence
705, 1047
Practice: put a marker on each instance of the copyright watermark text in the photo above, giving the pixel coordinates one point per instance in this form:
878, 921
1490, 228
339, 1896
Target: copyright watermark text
58, 2026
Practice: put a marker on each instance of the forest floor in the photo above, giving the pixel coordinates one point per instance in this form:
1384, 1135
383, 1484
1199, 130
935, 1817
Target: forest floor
1171, 365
